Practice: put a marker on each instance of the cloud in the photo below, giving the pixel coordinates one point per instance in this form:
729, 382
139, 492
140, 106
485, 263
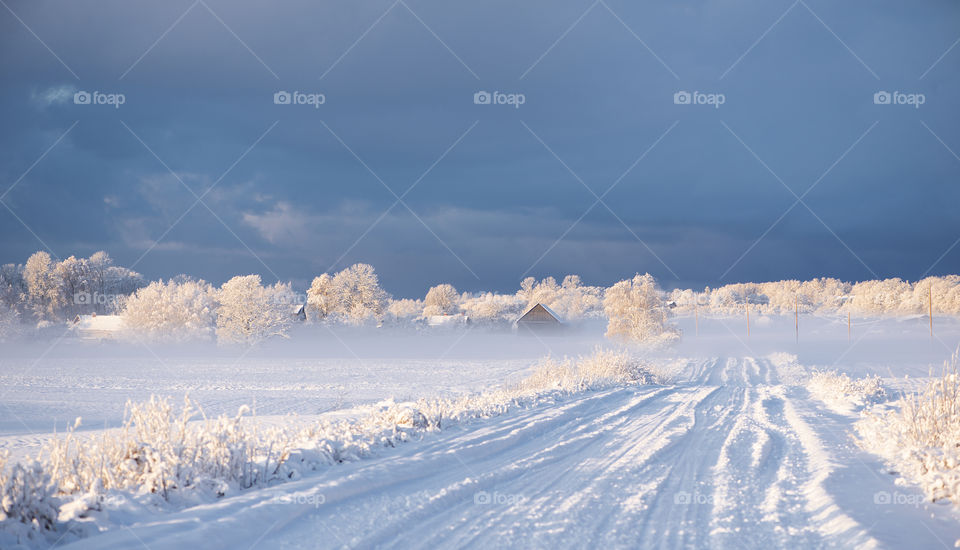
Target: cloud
55, 95
280, 224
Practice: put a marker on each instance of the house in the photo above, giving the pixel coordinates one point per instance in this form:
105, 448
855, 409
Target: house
538, 319
456, 320
299, 313
97, 327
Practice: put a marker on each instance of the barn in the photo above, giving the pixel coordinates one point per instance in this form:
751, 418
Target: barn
299, 312
538, 319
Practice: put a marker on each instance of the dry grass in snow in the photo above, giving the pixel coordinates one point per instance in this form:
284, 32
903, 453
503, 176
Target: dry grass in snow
921, 437
178, 455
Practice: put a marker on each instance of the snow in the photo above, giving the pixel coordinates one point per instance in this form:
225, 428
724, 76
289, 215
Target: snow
730, 447
98, 326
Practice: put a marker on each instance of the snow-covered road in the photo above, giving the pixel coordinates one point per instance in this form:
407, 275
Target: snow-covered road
729, 457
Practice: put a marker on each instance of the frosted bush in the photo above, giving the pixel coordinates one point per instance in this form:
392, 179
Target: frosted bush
841, 391
157, 450
920, 437
27, 502
603, 368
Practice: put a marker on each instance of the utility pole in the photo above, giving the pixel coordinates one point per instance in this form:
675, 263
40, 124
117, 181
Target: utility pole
696, 313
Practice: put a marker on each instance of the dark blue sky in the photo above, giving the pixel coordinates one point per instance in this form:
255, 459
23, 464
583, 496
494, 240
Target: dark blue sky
691, 193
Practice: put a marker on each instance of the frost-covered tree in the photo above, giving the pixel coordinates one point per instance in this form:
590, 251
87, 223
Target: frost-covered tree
637, 312
172, 311
250, 312
352, 295
360, 298
442, 299
10, 326
322, 298
44, 291
403, 311
74, 278
573, 300
13, 289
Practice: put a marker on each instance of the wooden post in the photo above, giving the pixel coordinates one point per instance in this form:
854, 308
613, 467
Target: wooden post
796, 315
748, 318
930, 296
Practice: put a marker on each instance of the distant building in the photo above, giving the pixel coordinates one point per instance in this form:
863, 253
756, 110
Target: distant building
97, 327
455, 320
538, 319
300, 312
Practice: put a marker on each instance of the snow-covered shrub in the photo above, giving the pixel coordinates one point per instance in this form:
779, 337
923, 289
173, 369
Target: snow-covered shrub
160, 449
920, 437
840, 391
172, 311
637, 313
602, 368
250, 312
27, 498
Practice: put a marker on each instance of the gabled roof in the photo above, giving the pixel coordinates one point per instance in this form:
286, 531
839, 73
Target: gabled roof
545, 308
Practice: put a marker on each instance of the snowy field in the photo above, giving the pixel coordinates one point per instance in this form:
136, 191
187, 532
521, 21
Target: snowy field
731, 450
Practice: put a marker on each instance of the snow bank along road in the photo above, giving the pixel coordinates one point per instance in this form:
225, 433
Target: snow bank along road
728, 458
